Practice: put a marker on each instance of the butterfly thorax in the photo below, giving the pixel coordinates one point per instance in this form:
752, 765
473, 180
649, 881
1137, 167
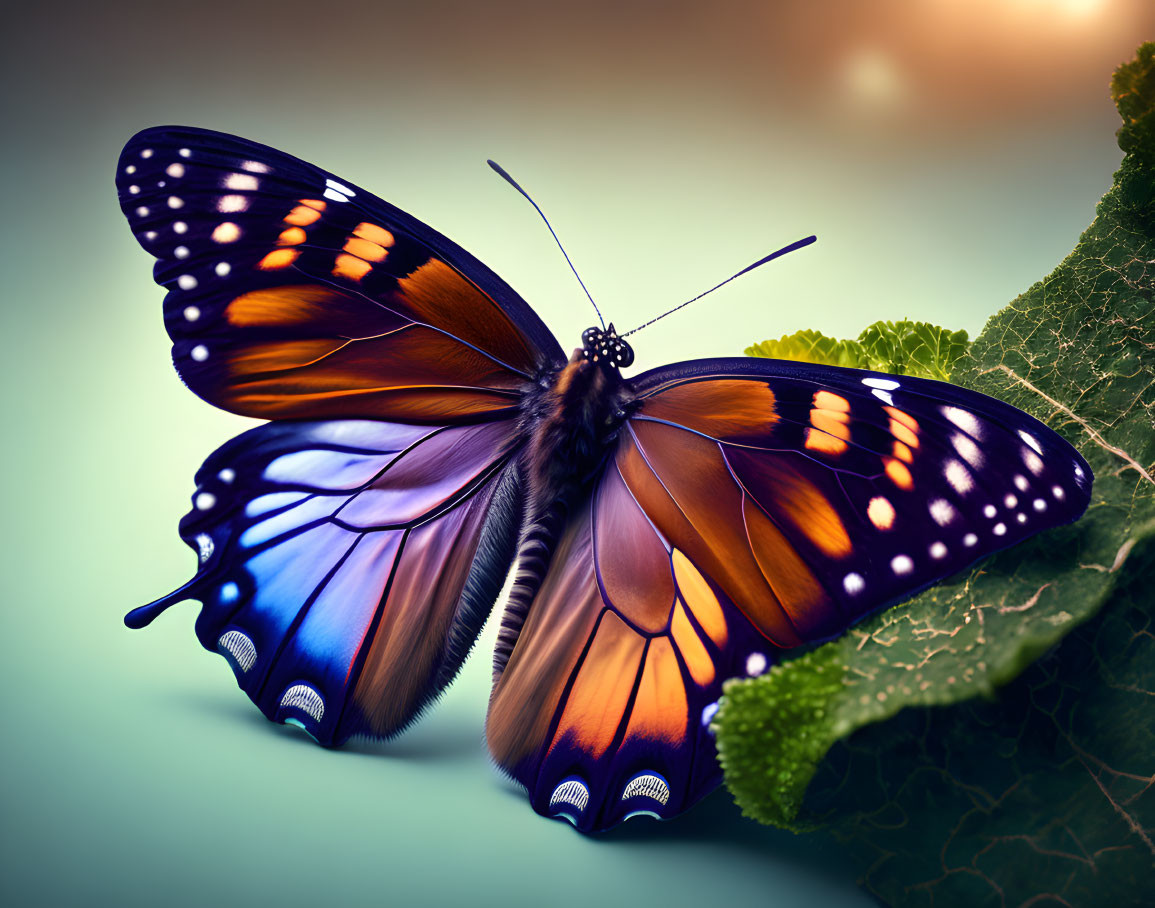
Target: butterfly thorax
574, 419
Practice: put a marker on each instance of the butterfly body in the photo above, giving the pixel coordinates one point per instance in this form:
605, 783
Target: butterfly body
668, 530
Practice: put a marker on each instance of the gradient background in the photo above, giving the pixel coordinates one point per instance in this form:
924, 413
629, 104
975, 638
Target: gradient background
946, 152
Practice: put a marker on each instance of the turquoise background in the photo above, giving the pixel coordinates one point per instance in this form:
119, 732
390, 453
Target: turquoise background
671, 144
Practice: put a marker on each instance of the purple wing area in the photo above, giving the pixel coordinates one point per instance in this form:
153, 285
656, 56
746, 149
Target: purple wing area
347, 566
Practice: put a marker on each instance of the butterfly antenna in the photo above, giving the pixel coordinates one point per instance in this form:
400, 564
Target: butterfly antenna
512, 182
762, 261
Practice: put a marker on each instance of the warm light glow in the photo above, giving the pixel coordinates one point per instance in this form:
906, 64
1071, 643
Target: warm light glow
873, 77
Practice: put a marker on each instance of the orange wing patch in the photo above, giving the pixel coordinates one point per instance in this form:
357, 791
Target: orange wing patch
721, 409
351, 267
601, 692
700, 599
364, 249
660, 710
788, 575
374, 234
302, 216
293, 236
898, 473
829, 429
690, 645
904, 428
278, 259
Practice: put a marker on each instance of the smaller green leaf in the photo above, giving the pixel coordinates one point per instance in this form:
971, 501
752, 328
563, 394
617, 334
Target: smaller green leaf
903, 348
813, 347
1133, 90
913, 348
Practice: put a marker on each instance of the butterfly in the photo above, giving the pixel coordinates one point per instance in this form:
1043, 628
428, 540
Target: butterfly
427, 434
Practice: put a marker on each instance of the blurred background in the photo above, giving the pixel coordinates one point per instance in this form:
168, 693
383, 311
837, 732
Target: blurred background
947, 153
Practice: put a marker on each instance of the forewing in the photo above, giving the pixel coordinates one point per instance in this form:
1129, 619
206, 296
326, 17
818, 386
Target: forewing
346, 566
292, 294
816, 495
750, 506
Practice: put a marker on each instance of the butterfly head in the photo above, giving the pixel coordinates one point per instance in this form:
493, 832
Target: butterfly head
606, 347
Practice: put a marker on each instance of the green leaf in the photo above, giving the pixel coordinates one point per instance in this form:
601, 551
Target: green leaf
813, 347
904, 348
913, 348
1009, 790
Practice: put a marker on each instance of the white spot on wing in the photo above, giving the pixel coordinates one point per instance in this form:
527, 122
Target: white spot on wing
970, 539
184, 153
228, 203
179, 227
240, 181
240, 647
222, 269
142, 211
708, 712
334, 195
200, 353
647, 785
192, 313
1058, 492
1040, 505
958, 476
1030, 439
964, 419
175, 170
181, 252
146, 152
941, 511
853, 584
175, 202
572, 792
306, 699
938, 550
1033, 461
227, 475
204, 547
966, 447
1010, 501
204, 501
755, 664
186, 282
340, 187
1000, 529
990, 510
884, 396
1021, 483
885, 384
901, 564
